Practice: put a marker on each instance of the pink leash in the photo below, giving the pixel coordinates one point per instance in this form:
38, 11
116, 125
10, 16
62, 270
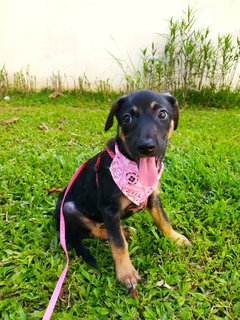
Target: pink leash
57, 290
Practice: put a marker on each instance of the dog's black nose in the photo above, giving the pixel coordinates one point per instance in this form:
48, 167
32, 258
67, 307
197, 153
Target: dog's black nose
147, 147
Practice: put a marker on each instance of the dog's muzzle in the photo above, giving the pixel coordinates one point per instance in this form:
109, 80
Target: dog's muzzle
147, 148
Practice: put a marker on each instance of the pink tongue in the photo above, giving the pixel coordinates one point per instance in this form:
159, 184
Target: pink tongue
148, 171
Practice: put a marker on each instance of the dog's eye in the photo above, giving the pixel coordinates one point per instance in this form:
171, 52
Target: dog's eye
162, 114
127, 118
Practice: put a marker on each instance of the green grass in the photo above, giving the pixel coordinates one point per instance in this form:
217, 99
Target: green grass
200, 193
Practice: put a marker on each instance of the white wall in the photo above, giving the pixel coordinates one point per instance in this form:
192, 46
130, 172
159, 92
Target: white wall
76, 36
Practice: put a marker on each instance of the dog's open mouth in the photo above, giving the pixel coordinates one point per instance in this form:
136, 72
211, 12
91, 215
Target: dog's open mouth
148, 170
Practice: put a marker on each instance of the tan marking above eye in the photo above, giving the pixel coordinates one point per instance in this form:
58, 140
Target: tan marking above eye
154, 104
135, 109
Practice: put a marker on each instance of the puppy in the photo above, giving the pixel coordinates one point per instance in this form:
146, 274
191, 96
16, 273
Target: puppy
122, 179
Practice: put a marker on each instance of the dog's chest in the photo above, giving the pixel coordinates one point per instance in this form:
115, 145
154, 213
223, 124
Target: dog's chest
128, 208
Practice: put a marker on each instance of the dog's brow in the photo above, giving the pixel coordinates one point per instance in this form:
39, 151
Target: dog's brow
135, 109
154, 105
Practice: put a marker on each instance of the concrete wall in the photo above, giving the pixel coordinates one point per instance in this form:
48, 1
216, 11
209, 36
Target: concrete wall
76, 36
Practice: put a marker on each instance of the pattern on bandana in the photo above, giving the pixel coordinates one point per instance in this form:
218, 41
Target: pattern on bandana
125, 174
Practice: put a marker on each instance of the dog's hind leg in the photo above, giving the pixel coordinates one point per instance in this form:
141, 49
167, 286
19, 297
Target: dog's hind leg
82, 251
75, 231
98, 231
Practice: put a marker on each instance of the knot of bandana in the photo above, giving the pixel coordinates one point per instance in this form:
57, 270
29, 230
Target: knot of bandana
127, 176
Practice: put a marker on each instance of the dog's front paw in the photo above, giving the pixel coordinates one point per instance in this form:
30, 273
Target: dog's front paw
127, 274
179, 239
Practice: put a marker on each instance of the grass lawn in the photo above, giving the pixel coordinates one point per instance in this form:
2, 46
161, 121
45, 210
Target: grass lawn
200, 193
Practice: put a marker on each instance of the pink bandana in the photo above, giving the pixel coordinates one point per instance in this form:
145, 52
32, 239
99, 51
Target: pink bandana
136, 183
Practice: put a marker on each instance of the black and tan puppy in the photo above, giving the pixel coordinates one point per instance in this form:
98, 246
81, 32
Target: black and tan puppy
95, 205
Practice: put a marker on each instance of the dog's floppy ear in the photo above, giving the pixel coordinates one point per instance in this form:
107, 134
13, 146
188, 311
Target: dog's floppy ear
112, 112
175, 108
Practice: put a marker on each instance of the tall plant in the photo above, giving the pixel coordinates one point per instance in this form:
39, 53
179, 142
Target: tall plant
186, 58
4, 82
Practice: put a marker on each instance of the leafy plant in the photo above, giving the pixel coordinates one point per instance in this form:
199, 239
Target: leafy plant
23, 81
4, 82
58, 82
82, 84
185, 59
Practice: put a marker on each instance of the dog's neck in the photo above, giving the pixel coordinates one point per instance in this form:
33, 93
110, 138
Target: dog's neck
122, 149
136, 181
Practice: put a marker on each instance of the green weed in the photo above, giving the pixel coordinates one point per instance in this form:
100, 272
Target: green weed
185, 59
23, 81
4, 81
199, 190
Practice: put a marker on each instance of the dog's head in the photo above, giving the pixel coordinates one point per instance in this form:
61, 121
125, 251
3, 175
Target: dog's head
146, 120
